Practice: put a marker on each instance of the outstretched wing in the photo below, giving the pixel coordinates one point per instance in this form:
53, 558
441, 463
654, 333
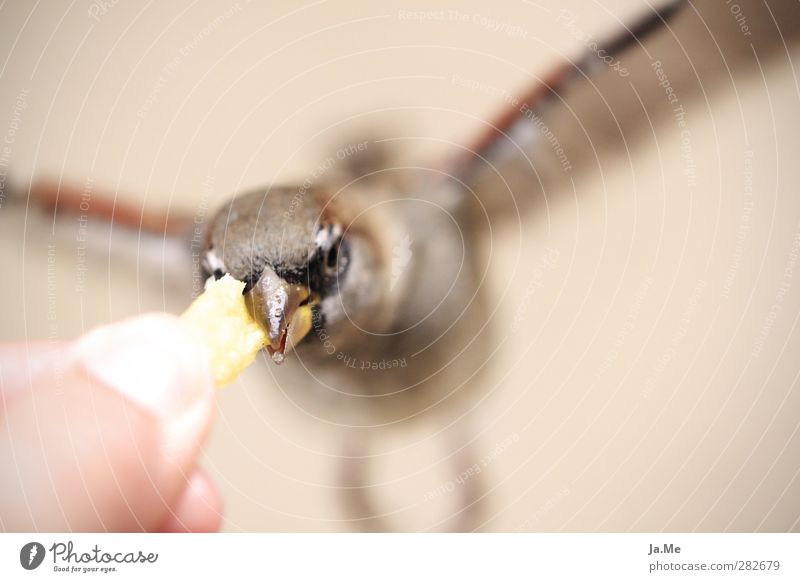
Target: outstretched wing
69, 199
160, 244
585, 112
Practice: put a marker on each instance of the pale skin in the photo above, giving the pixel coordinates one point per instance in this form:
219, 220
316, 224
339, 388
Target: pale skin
103, 433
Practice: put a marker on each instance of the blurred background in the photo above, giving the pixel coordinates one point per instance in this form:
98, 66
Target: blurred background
650, 380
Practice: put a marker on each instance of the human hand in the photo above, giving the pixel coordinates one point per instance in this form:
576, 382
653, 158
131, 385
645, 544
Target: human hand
103, 433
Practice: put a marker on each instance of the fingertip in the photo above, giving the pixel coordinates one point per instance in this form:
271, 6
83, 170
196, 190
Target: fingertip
199, 508
152, 360
105, 440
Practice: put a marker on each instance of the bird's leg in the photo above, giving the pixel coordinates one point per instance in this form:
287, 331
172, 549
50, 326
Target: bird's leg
360, 497
356, 492
472, 490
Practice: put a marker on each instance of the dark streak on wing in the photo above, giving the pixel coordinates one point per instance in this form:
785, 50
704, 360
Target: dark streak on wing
644, 27
73, 200
555, 82
541, 92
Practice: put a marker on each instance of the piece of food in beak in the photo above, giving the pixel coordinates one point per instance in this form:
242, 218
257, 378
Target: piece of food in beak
284, 309
222, 320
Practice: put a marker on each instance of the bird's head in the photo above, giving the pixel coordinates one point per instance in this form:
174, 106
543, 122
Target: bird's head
305, 263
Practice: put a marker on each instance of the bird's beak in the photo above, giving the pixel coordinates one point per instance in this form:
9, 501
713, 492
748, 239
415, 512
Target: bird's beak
283, 309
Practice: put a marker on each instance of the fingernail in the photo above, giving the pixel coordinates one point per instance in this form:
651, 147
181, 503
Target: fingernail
152, 359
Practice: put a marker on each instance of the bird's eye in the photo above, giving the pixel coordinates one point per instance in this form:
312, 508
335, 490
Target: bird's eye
332, 259
335, 259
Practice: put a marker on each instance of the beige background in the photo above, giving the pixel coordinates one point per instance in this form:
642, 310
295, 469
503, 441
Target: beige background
636, 392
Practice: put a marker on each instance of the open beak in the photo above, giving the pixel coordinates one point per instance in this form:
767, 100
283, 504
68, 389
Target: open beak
283, 309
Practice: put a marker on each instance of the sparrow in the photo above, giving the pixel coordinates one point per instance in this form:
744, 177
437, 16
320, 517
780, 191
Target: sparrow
374, 278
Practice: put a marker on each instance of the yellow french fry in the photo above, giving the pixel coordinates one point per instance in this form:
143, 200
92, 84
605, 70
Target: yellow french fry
221, 319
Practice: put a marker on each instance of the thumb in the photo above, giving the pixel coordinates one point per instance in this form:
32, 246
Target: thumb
106, 435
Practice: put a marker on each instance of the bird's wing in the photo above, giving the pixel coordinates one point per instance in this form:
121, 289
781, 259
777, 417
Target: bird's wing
71, 199
585, 112
162, 244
